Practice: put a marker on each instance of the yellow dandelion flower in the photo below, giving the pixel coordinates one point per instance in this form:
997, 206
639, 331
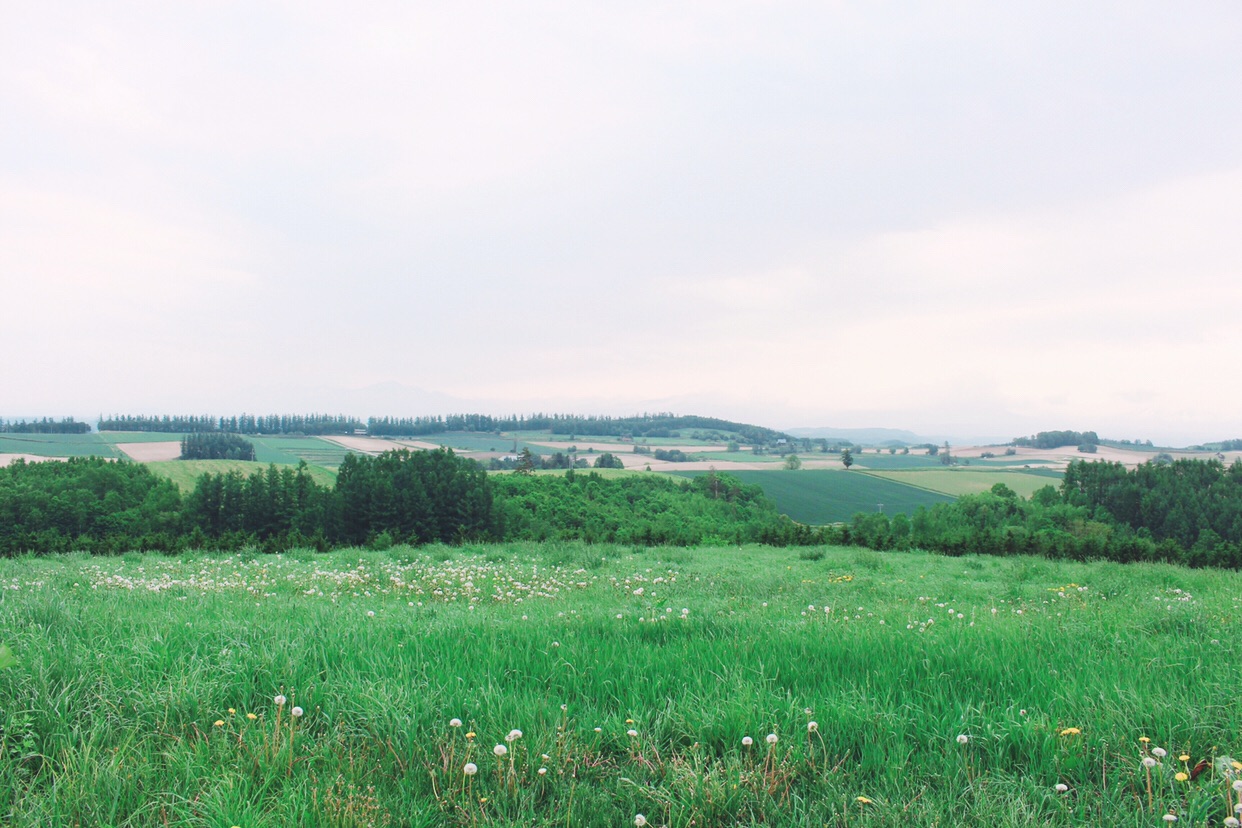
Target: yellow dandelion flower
1237, 765
219, 722
251, 716
1070, 731
862, 800
471, 734
1144, 739
629, 721
1182, 776
1185, 757
232, 711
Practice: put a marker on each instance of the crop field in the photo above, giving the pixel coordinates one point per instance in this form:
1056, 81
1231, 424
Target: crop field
819, 497
960, 481
471, 441
56, 445
185, 473
885, 461
114, 437
566, 685
280, 449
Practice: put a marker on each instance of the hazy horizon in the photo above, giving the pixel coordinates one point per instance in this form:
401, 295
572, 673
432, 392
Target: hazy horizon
976, 221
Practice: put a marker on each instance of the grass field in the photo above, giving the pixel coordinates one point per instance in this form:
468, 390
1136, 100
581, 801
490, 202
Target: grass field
288, 449
900, 689
185, 473
114, 437
960, 481
56, 445
818, 497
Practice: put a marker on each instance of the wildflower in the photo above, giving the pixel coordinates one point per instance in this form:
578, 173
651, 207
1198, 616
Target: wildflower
771, 738
640, 820
747, 741
633, 734
251, 716
470, 734
219, 722
296, 712
1061, 787
1232, 822
1159, 753
232, 711
280, 701
1185, 757
513, 735
962, 738
1070, 731
862, 800
1148, 762
1169, 818
454, 722
370, 613
811, 727
470, 769
1144, 739
500, 750
599, 730
1237, 785
1181, 776
1237, 765
543, 771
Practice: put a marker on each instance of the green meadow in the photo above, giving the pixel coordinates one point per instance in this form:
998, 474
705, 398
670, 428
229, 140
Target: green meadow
569, 685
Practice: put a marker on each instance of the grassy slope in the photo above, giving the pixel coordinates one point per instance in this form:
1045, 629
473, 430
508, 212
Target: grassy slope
127, 664
818, 497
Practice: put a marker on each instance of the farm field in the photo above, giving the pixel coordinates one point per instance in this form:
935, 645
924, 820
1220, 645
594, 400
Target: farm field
56, 445
959, 481
589, 685
819, 497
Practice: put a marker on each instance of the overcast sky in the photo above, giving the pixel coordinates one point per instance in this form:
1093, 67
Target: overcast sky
970, 218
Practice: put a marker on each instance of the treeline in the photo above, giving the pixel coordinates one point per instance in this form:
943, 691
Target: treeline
1187, 512
1057, 439
313, 424
45, 425
101, 506
639, 426
216, 446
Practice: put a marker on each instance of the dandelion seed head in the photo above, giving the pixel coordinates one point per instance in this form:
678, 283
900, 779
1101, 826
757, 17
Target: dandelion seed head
513, 735
962, 738
1237, 785
772, 738
296, 712
500, 750
1232, 822
640, 820
470, 769
543, 771
280, 701
1061, 787
747, 741
1160, 753
632, 733
811, 727
1169, 818
454, 722
1149, 762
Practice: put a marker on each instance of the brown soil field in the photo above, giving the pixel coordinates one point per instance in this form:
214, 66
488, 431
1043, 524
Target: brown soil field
151, 452
6, 459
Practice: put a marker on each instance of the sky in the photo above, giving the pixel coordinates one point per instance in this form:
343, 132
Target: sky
959, 218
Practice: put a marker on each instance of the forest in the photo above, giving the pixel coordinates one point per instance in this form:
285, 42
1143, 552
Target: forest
1184, 511
96, 505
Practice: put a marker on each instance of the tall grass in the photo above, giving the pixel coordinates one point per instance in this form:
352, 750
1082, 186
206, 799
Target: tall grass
145, 692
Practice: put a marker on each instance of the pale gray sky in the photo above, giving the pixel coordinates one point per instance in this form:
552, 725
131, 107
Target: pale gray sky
965, 218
